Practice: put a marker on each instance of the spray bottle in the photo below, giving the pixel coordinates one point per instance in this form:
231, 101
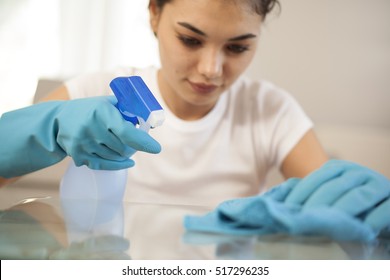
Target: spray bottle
89, 196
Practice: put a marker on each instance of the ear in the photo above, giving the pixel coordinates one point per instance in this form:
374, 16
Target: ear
154, 14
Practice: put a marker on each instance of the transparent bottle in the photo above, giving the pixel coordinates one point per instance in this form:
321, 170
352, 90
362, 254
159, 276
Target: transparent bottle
84, 183
91, 201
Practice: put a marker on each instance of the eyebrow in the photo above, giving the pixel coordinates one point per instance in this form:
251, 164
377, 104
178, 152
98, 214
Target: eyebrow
200, 32
192, 28
243, 37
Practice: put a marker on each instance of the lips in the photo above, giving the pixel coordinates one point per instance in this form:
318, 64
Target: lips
203, 88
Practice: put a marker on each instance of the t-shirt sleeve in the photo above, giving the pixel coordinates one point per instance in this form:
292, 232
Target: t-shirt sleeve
285, 123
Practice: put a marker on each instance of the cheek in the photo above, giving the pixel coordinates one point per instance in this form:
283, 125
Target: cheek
174, 57
235, 67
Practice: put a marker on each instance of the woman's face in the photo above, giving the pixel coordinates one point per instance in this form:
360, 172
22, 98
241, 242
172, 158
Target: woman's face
204, 46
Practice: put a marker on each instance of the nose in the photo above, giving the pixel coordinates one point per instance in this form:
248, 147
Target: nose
210, 63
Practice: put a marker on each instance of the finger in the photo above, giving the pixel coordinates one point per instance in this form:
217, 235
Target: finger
104, 164
280, 192
379, 217
107, 154
362, 198
343, 163
112, 147
104, 152
125, 131
332, 190
95, 152
308, 185
136, 138
116, 165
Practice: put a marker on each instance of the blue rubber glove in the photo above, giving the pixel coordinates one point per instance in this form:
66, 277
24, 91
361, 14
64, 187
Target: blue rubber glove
90, 130
341, 200
347, 187
268, 214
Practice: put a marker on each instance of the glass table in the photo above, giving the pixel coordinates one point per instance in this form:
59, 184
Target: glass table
48, 227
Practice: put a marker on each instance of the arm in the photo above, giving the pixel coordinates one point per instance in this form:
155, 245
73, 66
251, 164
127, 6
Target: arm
82, 86
5, 181
307, 156
60, 93
57, 129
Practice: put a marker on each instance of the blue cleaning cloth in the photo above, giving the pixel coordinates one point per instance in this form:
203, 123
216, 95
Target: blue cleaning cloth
262, 215
283, 210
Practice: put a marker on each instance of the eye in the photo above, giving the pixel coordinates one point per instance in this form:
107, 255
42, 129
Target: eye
237, 48
189, 41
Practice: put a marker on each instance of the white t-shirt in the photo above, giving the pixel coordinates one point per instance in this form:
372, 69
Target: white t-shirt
224, 155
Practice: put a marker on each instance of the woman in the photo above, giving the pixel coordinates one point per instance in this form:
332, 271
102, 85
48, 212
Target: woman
223, 132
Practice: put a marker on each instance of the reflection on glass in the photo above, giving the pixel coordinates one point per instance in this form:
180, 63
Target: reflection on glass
35, 230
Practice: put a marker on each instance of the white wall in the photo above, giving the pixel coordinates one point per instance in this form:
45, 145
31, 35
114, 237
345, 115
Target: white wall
334, 56
63, 38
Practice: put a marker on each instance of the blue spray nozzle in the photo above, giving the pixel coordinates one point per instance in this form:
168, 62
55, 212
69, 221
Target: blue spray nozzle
136, 102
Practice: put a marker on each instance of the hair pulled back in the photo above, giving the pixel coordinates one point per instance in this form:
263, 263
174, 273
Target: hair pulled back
260, 7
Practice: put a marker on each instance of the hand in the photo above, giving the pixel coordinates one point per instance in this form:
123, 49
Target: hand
347, 187
262, 215
341, 200
94, 133
90, 130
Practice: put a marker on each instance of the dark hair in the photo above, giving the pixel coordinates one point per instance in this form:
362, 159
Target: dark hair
260, 7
